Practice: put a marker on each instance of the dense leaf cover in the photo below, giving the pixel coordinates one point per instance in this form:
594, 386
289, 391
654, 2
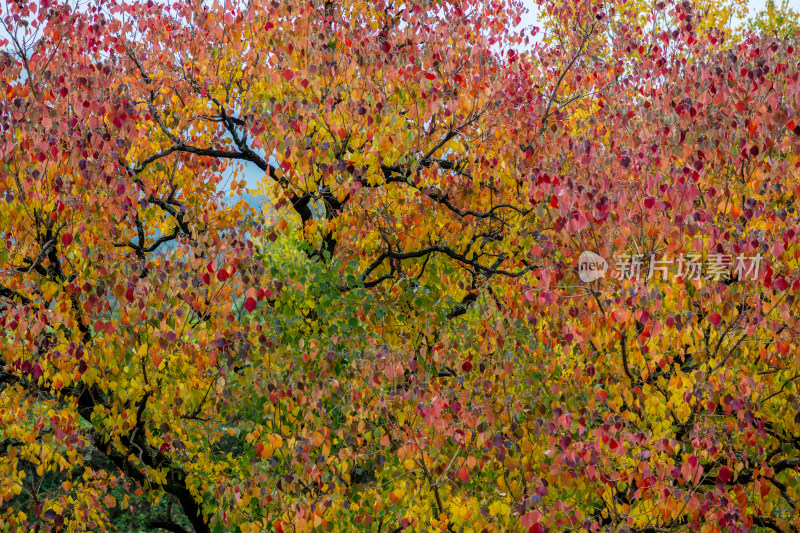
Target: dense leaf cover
404, 338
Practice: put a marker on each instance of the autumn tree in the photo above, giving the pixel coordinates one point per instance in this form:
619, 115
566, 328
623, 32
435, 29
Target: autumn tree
401, 340
778, 20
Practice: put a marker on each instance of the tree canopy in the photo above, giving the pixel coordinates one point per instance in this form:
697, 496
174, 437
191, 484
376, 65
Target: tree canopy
504, 278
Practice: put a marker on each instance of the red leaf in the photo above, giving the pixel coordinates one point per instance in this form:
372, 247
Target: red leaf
222, 275
288, 75
715, 319
463, 474
129, 295
724, 475
66, 239
36, 371
250, 304
466, 366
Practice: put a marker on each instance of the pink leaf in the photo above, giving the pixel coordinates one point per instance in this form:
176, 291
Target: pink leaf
529, 295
